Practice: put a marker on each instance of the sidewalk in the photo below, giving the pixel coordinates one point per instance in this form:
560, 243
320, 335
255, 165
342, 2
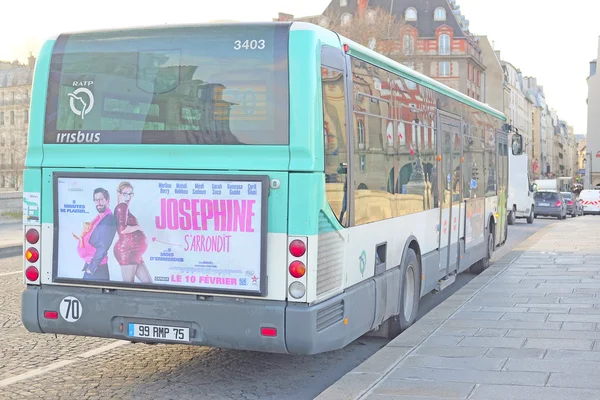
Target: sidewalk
527, 328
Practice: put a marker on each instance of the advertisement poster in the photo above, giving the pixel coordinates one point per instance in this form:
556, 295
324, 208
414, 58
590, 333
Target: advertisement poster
204, 234
474, 232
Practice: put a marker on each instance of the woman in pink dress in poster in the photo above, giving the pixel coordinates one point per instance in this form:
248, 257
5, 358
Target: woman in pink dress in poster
132, 244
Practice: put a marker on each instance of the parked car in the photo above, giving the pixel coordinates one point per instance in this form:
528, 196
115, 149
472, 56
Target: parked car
550, 204
574, 207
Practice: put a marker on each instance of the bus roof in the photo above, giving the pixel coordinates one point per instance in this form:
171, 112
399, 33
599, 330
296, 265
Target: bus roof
368, 55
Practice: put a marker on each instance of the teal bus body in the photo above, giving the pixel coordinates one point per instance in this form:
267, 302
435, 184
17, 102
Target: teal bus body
336, 305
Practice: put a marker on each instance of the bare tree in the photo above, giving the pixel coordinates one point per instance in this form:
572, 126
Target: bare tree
374, 28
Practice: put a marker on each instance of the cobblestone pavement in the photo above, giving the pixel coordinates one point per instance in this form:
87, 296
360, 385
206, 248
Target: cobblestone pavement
155, 371
159, 372
520, 331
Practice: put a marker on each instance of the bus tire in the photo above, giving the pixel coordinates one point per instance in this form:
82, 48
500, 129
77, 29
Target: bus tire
484, 263
410, 290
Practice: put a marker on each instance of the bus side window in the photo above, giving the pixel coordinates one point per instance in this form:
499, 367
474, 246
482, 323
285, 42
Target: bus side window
334, 134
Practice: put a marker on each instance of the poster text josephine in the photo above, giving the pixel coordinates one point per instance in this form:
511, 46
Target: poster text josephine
206, 215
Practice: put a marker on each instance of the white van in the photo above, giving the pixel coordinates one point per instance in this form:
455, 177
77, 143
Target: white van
590, 200
520, 202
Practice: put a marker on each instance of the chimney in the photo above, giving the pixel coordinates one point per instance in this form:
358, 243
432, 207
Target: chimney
498, 54
285, 17
31, 61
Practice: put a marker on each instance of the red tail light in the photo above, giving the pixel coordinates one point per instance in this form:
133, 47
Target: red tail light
51, 314
32, 255
32, 273
570, 203
271, 332
297, 248
297, 269
558, 204
32, 236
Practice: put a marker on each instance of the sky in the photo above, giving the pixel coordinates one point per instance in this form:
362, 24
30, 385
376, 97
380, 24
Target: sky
550, 39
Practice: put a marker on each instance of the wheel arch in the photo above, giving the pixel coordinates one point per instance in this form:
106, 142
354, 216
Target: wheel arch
413, 243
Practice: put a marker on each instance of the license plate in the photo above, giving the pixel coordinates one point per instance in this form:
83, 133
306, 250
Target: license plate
161, 332
544, 204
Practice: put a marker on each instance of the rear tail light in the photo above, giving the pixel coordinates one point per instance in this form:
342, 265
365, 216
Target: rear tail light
32, 273
32, 255
297, 269
271, 332
51, 314
570, 203
32, 236
558, 204
297, 290
297, 248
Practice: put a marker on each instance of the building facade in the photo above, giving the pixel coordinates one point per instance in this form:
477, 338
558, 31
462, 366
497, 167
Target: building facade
435, 39
593, 125
15, 90
492, 87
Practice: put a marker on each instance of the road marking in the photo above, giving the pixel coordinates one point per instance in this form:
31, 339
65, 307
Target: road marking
59, 364
11, 273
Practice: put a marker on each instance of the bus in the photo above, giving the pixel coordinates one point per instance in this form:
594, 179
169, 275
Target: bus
271, 187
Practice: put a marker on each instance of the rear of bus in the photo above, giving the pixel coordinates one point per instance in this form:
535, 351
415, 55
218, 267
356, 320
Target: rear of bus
179, 184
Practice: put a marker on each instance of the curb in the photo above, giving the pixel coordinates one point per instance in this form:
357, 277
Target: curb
365, 377
11, 251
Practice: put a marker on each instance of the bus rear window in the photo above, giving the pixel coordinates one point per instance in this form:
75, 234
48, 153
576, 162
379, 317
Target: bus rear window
213, 84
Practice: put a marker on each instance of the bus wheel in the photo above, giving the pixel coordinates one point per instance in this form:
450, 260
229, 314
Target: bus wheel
410, 290
484, 263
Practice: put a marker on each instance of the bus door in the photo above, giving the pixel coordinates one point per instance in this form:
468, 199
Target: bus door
502, 176
450, 149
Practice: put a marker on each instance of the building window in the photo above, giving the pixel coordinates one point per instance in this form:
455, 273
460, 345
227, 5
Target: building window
371, 16
408, 45
439, 14
343, 3
363, 163
444, 68
361, 135
410, 14
26, 115
346, 18
444, 44
12, 117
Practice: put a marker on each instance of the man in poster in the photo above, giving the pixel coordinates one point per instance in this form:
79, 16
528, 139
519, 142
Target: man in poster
97, 238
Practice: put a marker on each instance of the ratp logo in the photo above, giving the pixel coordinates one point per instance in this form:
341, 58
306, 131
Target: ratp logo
78, 102
362, 262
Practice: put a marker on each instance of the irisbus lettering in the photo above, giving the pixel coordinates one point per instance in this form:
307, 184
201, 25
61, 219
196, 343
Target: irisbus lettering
78, 137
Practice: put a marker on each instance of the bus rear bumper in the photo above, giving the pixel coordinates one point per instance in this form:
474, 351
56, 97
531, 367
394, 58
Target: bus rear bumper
212, 321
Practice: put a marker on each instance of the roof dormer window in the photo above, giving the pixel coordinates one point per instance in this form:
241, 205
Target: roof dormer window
439, 14
410, 14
